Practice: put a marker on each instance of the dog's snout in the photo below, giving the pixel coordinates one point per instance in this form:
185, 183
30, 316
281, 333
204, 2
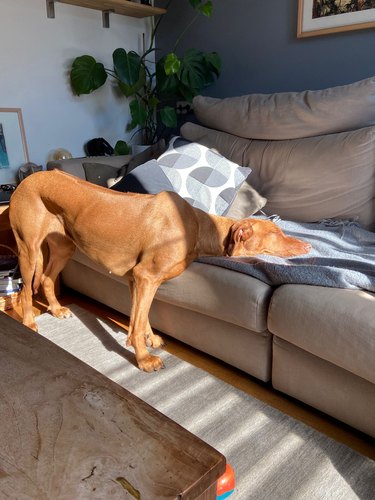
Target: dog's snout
306, 247
301, 247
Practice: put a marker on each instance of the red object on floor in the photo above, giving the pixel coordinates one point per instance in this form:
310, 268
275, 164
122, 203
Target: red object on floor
225, 484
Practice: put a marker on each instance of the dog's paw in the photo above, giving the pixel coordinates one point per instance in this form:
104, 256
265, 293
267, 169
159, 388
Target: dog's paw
154, 341
61, 312
150, 363
32, 325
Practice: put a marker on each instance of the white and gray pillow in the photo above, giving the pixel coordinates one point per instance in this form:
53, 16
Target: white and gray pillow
202, 176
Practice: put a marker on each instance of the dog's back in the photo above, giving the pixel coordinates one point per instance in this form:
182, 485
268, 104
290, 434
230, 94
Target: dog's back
111, 227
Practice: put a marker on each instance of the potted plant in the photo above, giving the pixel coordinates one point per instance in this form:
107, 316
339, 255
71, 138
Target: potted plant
152, 89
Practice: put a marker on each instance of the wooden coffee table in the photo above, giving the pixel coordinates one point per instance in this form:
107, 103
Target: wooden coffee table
66, 431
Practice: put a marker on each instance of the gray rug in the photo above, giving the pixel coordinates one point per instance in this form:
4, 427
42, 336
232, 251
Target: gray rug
273, 455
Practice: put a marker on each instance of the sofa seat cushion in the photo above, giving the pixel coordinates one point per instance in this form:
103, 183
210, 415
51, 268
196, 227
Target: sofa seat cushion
325, 386
337, 325
213, 291
291, 115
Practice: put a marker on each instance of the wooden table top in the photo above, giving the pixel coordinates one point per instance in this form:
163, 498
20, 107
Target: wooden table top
68, 432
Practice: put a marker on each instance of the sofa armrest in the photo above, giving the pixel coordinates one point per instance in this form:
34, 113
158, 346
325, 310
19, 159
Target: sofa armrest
74, 166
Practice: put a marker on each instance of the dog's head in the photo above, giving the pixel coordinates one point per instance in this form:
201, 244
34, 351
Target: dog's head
258, 236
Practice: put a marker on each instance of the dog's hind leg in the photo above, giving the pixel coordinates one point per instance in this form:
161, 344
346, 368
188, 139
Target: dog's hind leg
144, 290
27, 260
61, 249
151, 339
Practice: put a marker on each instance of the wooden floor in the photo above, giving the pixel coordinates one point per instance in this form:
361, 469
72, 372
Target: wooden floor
264, 392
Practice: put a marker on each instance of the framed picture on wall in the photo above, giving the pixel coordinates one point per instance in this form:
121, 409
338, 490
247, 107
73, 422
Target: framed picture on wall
13, 147
323, 17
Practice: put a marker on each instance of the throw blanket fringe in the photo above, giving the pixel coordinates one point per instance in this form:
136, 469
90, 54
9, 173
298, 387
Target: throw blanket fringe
342, 256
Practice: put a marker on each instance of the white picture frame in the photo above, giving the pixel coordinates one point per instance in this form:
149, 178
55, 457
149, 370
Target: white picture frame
310, 25
13, 147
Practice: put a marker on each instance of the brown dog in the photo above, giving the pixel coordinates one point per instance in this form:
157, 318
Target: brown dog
149, 238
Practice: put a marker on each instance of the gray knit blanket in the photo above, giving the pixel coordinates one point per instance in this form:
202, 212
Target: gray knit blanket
342, 256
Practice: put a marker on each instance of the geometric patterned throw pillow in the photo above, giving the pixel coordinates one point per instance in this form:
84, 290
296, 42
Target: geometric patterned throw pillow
202, 176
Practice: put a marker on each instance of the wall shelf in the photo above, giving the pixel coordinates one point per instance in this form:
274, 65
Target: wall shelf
122, 7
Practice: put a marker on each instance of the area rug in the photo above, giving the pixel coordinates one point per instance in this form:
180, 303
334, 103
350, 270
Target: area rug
273, 455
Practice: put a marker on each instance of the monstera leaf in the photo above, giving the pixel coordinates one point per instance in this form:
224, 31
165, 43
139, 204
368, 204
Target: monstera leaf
138, 113
130, 71
168, 116
184, 78
172, 64
197, 71
87, 75
204, 8
214, 62
193, 70
166, 84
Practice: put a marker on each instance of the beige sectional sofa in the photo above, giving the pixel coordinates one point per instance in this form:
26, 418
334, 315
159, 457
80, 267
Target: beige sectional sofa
312, 156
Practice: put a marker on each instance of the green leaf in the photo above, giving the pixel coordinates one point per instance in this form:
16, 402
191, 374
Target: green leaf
206, 9
131, 90
138, 112
127, 66
172, 64
195, 3
166, 85
193, 69
186, 93
214, 61
168, 116
87, 75
198, 70
122, 148
152, 103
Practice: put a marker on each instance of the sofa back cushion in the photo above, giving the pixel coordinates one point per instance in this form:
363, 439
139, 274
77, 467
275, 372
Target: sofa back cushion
291, 115
309, 179
74, 166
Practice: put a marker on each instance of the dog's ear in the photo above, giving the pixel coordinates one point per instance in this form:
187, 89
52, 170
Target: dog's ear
243, 232
239, 232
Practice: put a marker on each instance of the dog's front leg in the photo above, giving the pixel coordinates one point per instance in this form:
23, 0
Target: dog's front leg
152, 340
143, 291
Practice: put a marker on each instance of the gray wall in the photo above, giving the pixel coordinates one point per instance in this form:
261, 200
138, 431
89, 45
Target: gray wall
260, 52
